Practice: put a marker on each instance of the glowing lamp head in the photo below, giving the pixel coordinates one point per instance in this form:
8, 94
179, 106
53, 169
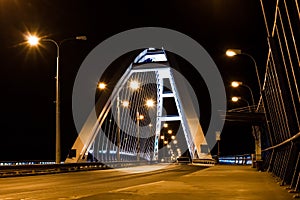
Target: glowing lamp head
33, 40
235, 99
141, 117
236, 84
134, 85
101, 86
125, 104
233, 52
149, 103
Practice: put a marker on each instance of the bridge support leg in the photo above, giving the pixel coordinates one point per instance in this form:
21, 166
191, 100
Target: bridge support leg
258, 158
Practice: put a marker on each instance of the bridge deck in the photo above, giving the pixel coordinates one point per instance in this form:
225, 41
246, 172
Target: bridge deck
224, 182
236, 182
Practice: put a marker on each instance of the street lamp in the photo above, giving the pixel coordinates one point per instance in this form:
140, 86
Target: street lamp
34, 41
149, 103
138, 118
236, 84
125, 104
134, 84
234, 52
236, 99
102, 85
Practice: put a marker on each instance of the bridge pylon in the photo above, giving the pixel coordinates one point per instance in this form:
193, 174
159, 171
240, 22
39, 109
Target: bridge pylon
127, 128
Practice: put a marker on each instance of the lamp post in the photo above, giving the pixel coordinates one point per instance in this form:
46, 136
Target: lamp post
119, 130
149, 104
138, 117
236, 84
125, 104
233, 52
34, 41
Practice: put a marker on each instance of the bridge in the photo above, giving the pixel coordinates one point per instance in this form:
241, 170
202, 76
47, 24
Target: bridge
148, 123
148, 116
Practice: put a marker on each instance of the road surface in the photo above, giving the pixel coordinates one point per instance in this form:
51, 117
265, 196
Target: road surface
145, 183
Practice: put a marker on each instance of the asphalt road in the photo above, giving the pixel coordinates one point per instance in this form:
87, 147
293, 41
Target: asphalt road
100, 184
158, 182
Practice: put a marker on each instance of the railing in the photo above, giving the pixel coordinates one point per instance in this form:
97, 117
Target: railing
16, 168
281, 94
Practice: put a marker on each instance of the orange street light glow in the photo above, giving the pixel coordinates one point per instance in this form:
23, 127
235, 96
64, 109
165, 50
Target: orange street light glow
149, 103
33, 40
233, 52
141, 117
134, 85
235, 99
236, 84
125, 103
101, 86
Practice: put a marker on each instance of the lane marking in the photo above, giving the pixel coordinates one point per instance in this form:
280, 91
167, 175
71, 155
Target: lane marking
136, 186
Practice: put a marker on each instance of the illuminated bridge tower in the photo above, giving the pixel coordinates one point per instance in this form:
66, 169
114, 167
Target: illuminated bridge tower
148, 116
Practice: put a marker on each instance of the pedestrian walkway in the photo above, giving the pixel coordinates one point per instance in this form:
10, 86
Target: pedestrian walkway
220, 182
235, 182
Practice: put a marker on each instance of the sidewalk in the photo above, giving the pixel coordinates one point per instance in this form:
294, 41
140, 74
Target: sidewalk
221, 182
235, 182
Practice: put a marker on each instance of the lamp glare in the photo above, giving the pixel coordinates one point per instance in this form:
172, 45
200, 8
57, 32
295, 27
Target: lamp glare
33, 40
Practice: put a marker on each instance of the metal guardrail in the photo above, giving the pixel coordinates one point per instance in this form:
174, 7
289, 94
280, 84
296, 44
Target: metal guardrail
39, 169
291, 139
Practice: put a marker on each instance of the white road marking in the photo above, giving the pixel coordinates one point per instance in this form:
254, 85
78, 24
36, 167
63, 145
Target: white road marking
136, 186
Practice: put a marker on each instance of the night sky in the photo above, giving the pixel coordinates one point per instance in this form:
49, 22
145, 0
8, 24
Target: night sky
27, 74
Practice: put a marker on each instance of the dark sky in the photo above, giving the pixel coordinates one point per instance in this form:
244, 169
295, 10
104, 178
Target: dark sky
27, 75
